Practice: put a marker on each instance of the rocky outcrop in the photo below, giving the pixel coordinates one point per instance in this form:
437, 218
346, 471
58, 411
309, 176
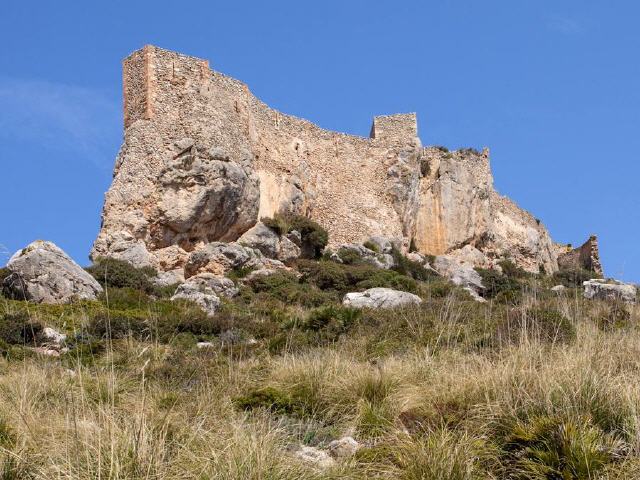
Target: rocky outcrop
43, 273
270, 244
609, 290
205, 290
203, 160
461, 274
380, 298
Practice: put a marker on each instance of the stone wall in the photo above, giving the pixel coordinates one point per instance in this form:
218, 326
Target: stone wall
586, 256
203, 159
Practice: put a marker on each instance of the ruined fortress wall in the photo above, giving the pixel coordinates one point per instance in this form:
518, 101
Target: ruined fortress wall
203, 159
339, 180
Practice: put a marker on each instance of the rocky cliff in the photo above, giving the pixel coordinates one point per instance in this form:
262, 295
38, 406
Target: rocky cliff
203, 160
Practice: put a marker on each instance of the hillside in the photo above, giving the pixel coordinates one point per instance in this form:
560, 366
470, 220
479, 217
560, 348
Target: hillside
531, 383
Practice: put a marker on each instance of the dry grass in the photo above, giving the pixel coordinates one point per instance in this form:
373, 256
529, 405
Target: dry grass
448, 405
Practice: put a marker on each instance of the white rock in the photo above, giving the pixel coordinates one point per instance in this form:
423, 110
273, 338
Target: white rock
609, 290
204, 345
315, 456
261, 238
558, 288
380, 298
459, 273
51, 335
43, 273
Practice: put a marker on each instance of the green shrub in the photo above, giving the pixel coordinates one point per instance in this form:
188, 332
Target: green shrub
113, 273
272, 399
342, 278
549, 447
409, 268
349, 256
314, 237
118, 326
371, 246
287, 288
337, 318
18, 329
499, 286
388, 279
573, 277
542, 324
511, 270
126, 298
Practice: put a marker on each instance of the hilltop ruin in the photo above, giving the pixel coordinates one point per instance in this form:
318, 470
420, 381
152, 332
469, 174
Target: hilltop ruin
203, 160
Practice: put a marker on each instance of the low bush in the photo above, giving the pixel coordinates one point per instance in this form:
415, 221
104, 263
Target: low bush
18, 329
511, 270
273, 400
328, 275
499, 286
314, 237
286, 288
113, 273
409, 268
4, 273
573, 277
616, 317
371, 246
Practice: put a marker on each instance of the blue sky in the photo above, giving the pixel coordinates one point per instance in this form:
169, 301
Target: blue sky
551, 86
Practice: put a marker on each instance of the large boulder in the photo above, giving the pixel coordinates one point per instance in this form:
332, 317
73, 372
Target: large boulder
269, 243
205, 289
43, 273
461, 274
609, 290
380, 298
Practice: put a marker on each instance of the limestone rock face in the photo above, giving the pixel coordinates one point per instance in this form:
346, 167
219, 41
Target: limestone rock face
203, 160
380, 298
609, 290
43, 273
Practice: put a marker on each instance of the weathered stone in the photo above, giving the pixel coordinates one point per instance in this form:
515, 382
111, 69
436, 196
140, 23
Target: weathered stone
384, 244
609, 290
287, 250
558, 288
203, 160
52, 336
43, 273
204, 290
219, 257
586, 257
221, 286
315, 456
343, 448
261, 237
171, 277
380, 298
460, 274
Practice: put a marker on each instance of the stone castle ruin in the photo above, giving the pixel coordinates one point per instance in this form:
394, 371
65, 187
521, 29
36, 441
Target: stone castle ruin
203, 160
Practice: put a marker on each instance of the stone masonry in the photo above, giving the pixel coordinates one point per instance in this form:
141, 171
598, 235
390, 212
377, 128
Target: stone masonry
203, 160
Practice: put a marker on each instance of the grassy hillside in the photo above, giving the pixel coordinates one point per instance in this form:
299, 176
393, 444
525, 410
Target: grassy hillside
530, 385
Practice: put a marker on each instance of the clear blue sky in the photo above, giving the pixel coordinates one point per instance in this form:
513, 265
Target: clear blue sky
551, 86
